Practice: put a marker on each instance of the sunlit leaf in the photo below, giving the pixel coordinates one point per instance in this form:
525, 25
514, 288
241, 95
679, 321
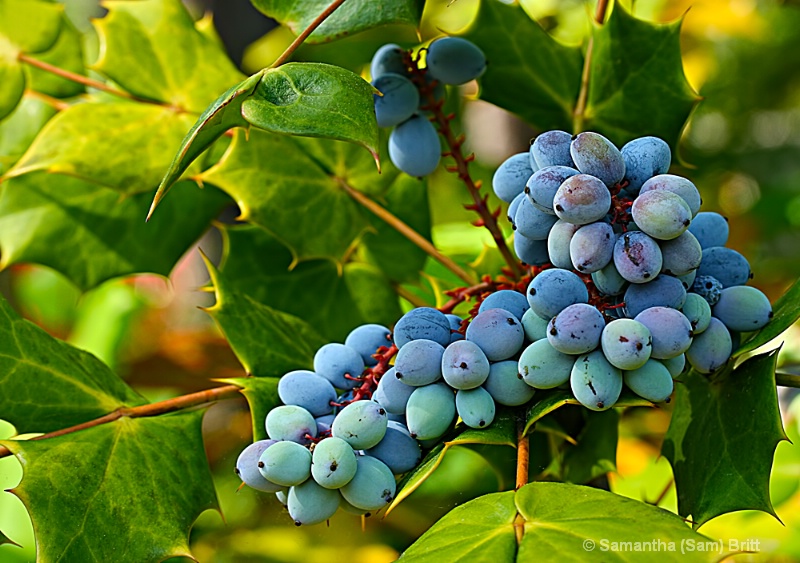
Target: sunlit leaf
125, 491
722, 439
20, 128
351, 17
48, 384
66, 53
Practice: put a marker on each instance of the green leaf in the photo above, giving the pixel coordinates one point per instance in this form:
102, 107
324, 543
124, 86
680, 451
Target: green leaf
267, 342
479, 530
636, 81
522, 57
223, 114
563, 521
136, 141
4, 539
547, 402
19, 130
67, 54
719, 446
91, 233
396, 256
47, 384
558, 522
502, 432
262, 396
315, 100
786, 311
596, 451
125, 491
26, 27
291, 187
332, 301
349, 18
152, 49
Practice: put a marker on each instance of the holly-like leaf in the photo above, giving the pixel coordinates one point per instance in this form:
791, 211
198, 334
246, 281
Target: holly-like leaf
91, 233
4, 539
152, 49
26, 27
556, 521
522, 57
125, 491
349, 18
502, 432
396, 256
267, 342
719, 446
262, 396
636, 81
47, 384
333, 301
315, 100
547, 402
20, 128
67, 54
786, 311
291, 187
596, 451
136, 141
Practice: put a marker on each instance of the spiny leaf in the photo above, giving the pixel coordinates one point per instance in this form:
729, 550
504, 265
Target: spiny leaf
290, 186
127, 491
134, 139
315, 100
152, 49
4, 539
502, 432
596, 451
47, 384
66, 53
522, 57
91, 233
786, 312
262, 396
636, 81
19, 130
720, 447
334, 301
26, 27
267, 342
349, 18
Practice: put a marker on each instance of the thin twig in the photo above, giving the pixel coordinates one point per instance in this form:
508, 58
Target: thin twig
787, 380
412, 235
152, 409
90, 82
308, 31
58, 105
583, 95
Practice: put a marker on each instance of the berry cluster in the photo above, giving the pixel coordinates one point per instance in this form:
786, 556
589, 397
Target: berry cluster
403, 100
627, 241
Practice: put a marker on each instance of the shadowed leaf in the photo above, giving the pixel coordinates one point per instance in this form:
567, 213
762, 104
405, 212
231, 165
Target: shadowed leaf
262, 396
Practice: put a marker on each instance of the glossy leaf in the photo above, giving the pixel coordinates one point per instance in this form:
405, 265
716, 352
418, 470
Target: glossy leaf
636, 81
47, 384
20, 128
125, 491
786, 312
349, 18
152, 49
262, 396
547, 402
396, 256
293, 192
28, 27
91, 234
315, 100
332, 301
557, 521
522, 57
565, 522
4, 539
719, 445
136, 141
502, 432
267, 342
65, 53
479, 530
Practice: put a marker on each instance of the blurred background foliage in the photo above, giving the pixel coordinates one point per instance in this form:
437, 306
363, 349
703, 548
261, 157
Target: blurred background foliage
741, 148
